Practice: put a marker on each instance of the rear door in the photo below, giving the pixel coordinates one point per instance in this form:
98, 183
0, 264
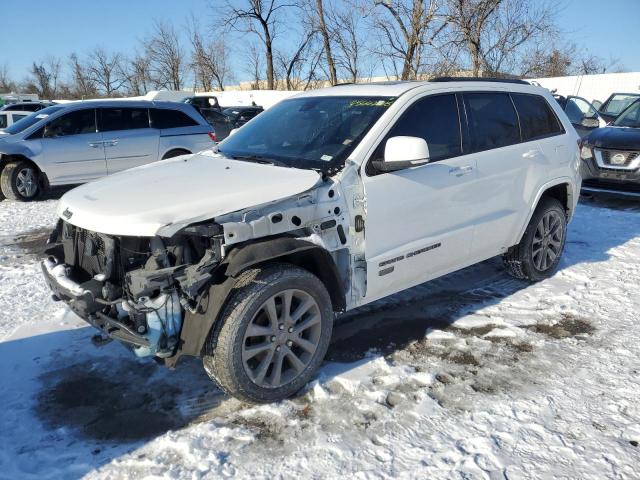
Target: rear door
502, 162
515, 137
129, 141
72, 148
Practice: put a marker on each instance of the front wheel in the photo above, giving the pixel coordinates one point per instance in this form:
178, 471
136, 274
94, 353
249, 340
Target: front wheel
272, 335
537, 255
20, 181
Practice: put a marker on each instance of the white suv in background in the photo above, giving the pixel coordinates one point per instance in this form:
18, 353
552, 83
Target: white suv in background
327, 201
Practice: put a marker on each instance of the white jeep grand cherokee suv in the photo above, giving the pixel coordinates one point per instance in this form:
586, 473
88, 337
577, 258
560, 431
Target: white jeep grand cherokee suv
327, 201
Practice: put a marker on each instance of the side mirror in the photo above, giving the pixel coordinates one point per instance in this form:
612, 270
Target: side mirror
403, 152
590, 122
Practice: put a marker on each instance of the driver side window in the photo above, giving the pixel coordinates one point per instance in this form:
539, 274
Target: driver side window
73, 123
435, 119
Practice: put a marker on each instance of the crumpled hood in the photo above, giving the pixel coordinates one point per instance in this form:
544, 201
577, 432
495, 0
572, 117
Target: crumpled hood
173, 193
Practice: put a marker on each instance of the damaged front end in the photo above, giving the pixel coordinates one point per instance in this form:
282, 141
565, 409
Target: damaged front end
133, 289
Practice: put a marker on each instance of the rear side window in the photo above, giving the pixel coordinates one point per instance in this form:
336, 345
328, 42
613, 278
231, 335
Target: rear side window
492, 120
124, 119
165, 118
3, 120
537, 120
435, 119
73, 123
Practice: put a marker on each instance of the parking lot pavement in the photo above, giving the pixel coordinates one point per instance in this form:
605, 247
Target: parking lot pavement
474, 375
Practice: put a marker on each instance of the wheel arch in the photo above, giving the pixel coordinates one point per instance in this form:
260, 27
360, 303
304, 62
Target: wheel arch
19, 157
309, 256
183, 151
562, 190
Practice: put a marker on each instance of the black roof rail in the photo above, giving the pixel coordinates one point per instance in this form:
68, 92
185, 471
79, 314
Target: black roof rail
479, 79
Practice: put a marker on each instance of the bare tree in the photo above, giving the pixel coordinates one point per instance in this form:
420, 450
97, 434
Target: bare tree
261, 18
591, 64
6, 83
349, 36
44, 77
494, 32
291, 66
107, 71
321, 25
137, 74
254, 66
210, 60
413, 25
166, 56
83, 85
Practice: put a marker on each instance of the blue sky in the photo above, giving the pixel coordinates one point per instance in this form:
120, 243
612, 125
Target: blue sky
37, 28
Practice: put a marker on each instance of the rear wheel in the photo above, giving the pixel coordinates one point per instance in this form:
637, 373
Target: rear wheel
273, 334
20, 181
537, 255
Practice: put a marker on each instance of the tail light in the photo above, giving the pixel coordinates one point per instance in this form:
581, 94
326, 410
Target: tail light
212, 136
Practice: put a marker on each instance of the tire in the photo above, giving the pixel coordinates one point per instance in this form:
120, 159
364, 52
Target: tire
244, 361
20, 180
537, 255
175, 153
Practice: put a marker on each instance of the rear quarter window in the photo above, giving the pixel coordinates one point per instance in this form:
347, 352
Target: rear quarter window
537, 119
165, 118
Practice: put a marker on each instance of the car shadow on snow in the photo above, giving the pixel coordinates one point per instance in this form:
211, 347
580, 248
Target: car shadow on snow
102, 403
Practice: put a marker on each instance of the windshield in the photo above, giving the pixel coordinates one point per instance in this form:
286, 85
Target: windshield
310, 133
32, 119
618, 102
630, 117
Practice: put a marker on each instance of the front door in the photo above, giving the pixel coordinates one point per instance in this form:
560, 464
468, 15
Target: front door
72, 148
128, 139
420, 221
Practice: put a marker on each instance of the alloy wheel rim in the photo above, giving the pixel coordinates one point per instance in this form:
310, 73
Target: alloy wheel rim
282, 338
27, 182
547, 241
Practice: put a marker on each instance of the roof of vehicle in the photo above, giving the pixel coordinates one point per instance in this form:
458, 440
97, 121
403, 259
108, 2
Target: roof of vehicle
127, 103
397, 88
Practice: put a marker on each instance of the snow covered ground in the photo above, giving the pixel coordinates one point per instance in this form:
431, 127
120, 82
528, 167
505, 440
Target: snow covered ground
475, 375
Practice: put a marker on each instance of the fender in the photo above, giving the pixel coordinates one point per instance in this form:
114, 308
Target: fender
197, 326
543, 188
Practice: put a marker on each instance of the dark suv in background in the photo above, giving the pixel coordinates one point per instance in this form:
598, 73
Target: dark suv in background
611, 155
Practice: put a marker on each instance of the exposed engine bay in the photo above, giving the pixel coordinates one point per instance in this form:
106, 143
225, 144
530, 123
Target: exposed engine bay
134, 288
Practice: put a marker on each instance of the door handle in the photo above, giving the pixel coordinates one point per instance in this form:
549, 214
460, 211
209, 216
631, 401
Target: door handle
531, 154
95, 144
111, 143
460, 171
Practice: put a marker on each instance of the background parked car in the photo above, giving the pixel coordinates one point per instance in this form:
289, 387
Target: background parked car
583, 115
611, 155
203, 101
82, 141
230, 118
616, 103
26, 106
9, 117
